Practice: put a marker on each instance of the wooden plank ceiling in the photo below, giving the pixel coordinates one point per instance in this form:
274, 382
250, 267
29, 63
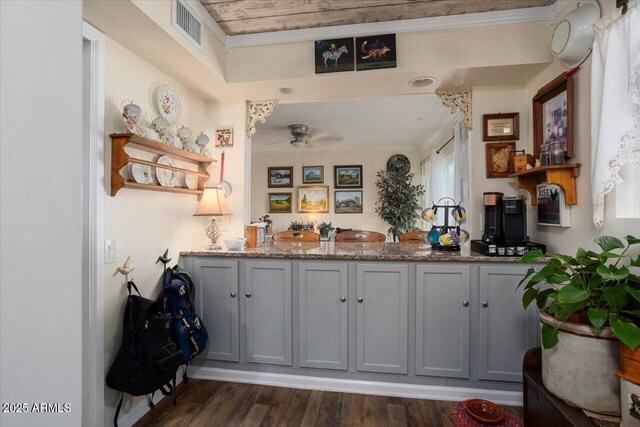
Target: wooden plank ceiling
259, 16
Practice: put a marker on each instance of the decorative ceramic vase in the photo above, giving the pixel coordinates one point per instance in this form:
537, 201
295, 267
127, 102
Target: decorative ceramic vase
580, 368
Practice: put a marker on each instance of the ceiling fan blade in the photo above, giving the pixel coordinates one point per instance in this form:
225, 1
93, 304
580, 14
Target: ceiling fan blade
278, 141
326, 139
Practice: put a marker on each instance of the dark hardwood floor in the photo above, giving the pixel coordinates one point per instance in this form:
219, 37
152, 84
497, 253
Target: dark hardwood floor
214, 403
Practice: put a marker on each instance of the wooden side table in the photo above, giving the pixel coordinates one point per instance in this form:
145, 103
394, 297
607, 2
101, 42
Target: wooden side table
541, 408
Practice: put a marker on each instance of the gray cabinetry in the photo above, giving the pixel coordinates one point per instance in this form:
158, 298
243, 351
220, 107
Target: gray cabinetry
506, 330
443, 294
217, 304
268, 312
382, 317
322, 303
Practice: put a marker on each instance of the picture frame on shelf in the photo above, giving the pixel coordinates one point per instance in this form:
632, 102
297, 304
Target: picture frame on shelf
313, 199
347, 176
499, 159
553, 114
313, 174
501, 127
280, 177
280, 202
347, 201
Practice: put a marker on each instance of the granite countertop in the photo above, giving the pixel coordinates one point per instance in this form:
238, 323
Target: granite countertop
352, 251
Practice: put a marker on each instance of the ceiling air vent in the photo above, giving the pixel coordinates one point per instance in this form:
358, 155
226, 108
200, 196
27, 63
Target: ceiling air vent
186, 22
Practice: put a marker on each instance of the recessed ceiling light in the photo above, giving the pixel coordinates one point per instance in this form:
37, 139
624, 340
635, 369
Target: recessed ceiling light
287, 90
423, 81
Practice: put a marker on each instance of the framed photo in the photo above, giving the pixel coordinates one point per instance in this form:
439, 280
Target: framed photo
280, 177
348, 176
375, 52
334, 55
313, 199
313, 174
498, 158
224, 138
501, 127
280, 202
347, 201
553, 115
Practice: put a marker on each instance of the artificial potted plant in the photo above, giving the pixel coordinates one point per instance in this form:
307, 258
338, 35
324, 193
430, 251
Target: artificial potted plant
301, 226
398, 201
587, 302
325, 228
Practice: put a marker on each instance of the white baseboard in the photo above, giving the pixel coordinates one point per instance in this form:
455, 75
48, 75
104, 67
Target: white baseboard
415, 391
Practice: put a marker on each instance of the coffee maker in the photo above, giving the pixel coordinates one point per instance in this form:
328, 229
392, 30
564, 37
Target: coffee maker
515, 220
493, 229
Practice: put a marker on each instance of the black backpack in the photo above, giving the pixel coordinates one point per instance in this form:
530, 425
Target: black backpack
188, 329
147, 359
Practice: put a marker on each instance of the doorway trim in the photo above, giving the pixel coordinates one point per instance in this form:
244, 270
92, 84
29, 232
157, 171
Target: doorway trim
93, 227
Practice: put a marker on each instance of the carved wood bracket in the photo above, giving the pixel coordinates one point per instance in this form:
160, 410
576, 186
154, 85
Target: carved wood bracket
257, 112
458, 100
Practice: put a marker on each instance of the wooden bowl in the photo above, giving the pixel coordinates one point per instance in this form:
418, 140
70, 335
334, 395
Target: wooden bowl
484, 412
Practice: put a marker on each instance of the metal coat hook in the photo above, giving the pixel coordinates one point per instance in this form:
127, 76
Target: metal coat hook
164, 258
125, 270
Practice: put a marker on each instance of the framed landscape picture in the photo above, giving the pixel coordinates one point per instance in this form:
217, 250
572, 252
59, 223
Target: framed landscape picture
334, 55
347, 201
313, 174
375, 52
498, 158
348, 176
280, 177
553, 115
280, 202
500, 127
313, 199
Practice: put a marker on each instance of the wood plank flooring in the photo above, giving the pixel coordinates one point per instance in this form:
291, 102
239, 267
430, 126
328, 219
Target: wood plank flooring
215, 403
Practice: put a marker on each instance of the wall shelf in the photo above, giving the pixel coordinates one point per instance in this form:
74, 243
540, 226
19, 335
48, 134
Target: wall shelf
563, 175
120, 158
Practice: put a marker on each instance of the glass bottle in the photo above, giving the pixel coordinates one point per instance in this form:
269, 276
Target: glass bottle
556, 153
544, 155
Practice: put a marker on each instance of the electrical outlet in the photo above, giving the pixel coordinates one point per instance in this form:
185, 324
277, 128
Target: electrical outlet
110, 251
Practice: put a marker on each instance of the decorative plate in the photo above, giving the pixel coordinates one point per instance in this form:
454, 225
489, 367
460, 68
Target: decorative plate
168, 104
191, 181
166, 177
141, 173
399, 164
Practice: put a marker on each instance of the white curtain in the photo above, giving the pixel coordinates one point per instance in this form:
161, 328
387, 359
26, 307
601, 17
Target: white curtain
615, 103
461, 155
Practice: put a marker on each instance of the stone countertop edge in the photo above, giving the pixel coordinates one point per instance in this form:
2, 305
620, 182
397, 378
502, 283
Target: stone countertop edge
352, 251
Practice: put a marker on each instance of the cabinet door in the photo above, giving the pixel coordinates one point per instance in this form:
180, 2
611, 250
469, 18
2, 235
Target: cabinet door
323, 315
442, 320
268, 309
507, 331
216, 302
382, 317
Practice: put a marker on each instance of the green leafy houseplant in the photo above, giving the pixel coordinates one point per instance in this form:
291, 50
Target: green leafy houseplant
398, 201
598, 285
301, 226
325, 228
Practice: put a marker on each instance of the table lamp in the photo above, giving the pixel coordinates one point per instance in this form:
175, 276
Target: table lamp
213, 204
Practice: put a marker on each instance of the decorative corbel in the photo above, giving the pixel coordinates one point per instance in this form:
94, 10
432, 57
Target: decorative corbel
258, 111
458, 100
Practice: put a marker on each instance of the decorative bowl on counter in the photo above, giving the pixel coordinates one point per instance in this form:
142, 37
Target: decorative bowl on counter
235, 244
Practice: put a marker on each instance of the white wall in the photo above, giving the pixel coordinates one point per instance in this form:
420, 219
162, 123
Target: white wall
371, 161
40, 221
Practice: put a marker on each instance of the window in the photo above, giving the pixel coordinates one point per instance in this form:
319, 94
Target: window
448, 174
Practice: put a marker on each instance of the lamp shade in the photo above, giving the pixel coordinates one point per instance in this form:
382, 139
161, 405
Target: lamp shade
212, 203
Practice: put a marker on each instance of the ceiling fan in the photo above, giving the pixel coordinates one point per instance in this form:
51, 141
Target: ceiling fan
303, 136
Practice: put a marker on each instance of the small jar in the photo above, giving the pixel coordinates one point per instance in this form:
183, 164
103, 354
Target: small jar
544, 155
556, 153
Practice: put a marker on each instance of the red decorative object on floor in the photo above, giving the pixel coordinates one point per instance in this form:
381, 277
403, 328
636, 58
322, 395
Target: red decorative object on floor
460, 418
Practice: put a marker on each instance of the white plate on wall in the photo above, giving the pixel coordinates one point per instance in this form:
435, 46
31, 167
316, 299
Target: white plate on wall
166, 177
168, 104
191, 181
141, 173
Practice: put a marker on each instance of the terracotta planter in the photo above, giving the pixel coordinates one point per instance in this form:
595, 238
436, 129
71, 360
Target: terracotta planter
580, 368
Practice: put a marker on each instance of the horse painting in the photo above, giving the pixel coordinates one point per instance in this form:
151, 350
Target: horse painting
333, 55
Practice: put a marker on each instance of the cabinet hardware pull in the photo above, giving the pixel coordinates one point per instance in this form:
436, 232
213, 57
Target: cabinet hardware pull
343, 299
232, 294
485, 304
465, 303
360, 300
248, 294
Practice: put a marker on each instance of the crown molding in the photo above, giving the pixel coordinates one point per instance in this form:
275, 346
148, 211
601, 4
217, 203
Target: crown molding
468, 20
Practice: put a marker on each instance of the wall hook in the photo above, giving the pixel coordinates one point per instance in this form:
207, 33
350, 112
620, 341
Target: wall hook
125, 270
164, 258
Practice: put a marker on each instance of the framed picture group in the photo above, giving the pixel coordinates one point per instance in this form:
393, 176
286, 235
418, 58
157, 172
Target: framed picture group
312, 197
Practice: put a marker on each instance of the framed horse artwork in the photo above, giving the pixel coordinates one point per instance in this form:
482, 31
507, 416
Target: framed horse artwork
334, 55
